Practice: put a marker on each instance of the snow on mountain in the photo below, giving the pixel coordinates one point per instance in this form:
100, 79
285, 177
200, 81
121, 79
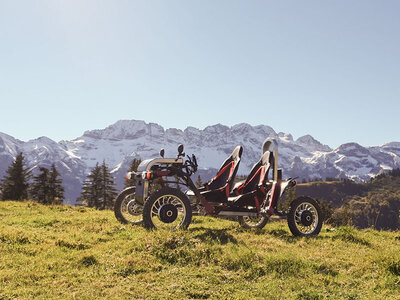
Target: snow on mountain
120, 143
311, 144
8, 151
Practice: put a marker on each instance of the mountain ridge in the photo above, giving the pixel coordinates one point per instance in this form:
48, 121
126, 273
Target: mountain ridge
119, 143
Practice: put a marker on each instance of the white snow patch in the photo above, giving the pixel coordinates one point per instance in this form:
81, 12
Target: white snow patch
386, 167
116, 168
72, 154
66, 166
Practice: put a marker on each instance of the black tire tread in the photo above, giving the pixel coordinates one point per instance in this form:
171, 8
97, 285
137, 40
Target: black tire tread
290, 217
148, 224
245, 225
118, 202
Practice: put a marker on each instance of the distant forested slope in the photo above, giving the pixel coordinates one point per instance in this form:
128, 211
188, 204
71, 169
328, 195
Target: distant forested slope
372, 204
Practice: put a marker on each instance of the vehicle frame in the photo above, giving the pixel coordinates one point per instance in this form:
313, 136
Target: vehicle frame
304, 215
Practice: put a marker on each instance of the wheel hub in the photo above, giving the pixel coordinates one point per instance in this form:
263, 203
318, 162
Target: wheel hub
132, 207
306, 218
168, 213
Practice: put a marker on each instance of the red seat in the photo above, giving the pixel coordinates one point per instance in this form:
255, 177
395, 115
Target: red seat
219, 188
250, 191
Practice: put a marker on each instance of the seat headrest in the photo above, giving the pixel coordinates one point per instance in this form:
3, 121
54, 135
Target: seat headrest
237, 153
267, 158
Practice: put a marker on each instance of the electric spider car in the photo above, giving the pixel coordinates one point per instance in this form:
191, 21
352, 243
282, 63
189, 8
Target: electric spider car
157, 202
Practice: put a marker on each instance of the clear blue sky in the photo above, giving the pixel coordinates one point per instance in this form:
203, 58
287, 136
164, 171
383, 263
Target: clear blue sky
326, 68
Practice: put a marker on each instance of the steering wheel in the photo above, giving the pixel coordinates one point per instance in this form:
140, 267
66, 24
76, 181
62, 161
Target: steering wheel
191, 164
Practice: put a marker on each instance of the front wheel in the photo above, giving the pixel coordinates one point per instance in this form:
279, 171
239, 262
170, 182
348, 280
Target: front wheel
167, 208
304, 217
126, 209
252, 222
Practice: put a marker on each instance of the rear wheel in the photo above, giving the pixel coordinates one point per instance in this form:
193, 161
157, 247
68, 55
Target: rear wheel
304, 217
253, 222
167, 208
126, 209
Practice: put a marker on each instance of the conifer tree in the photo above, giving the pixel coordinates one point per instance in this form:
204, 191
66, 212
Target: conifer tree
199, 182
15, 183
92, 187
108, 190
98, 189
40, 186
56, 190
46, 187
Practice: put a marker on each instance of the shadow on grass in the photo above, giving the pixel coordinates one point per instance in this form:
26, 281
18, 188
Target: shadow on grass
88, 261
71, 245
289, 238
283, 235
14, 239
347, 234
394, 268
214, 235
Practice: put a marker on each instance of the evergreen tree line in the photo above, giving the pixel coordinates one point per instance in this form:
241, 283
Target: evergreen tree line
45, 188
327, 179
19, 184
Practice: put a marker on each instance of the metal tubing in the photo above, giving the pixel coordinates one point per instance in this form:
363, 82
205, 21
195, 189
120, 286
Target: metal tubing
238, 213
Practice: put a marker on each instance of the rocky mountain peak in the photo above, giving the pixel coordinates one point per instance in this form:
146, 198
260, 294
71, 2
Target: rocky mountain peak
311, 144
352, 149
126, 129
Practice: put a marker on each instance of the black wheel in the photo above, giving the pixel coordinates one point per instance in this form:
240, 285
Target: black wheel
167, 208
304, 217
126, 209
253, 222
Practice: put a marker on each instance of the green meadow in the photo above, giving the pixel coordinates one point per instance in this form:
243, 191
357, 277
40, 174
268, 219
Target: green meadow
63, 252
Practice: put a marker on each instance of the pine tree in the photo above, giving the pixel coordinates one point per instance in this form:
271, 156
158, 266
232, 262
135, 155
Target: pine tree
92, 187
98, 189
133, 168
108, 190
199, 182
56, 190
46, 187
40, 186
15, 184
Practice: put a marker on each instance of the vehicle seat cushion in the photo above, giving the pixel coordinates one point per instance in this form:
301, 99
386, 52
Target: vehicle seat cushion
259, 173
227, 172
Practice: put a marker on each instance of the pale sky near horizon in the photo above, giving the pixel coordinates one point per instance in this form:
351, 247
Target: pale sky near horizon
326, 68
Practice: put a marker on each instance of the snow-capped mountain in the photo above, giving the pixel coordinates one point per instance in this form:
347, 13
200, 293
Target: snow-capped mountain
120, 143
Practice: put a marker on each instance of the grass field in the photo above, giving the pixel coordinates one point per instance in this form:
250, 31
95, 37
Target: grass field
61, 252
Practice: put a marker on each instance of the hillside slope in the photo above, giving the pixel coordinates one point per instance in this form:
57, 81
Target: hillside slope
60, 252
372, 204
